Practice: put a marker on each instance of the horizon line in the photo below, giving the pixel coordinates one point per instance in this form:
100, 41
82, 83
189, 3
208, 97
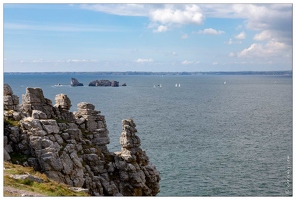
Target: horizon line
153, 72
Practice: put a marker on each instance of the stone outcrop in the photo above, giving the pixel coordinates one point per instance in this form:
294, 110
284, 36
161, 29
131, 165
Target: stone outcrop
11, 101
75, 82
72, 147
35, 100
133, 163
62, 107
104, 83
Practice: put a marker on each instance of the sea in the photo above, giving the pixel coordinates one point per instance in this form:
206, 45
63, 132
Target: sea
208, 135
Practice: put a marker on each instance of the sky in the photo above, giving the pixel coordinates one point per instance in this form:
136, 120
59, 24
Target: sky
147, 37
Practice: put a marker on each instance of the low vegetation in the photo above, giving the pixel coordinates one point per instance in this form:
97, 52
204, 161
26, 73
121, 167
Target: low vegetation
47, 188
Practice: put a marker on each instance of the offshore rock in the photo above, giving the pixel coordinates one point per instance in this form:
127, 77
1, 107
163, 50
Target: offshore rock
104, 83
75, 82
74, 151
114, 84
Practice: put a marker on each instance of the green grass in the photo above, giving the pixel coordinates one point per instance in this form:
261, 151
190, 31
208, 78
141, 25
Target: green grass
61, 121
48, 188
12, 122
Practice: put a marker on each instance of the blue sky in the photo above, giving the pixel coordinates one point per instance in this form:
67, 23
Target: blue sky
147, 37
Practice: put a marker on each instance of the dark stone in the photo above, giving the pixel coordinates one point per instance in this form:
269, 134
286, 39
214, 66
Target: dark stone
114, 84
124, 84
75, 82
104, 83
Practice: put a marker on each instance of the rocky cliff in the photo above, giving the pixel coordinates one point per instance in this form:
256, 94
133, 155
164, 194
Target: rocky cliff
71, 147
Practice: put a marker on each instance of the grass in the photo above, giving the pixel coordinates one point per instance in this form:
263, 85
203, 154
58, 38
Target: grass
61, 121
12, 122
48, 188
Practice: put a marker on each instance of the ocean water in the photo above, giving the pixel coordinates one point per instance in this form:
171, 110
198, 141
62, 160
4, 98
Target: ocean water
205, 137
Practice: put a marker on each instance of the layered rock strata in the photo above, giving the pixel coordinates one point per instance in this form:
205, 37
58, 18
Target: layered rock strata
71, 147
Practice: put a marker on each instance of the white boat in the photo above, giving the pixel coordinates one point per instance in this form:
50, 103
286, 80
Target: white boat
176, 85
179, 85
224, 82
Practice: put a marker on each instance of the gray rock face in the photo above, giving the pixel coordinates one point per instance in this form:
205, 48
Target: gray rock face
63, 103
10, 101
75, 82
7, 91
35, 100
74, 152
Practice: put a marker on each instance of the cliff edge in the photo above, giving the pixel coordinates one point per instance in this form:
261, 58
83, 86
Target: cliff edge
70, 147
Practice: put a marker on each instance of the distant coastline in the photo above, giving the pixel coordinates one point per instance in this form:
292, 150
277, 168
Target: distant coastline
277, 73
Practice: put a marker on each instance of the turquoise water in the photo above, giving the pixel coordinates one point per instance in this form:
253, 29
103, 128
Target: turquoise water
205, 137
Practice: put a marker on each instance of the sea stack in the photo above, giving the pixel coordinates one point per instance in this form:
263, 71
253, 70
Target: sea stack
75, 82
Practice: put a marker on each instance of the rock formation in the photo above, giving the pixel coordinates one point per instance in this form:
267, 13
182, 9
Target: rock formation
71, 147
75, 82
114, 84
104, 83
11, 101
123, 84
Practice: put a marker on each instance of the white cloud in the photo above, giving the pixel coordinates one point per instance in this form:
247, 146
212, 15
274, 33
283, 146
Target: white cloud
276, 18
189, 14
264, 35
141, 60
160, 29
241, 36
185, 36
119, 9
186, 62
270, 49
229, 41
215, 63
210, 31
163, 15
